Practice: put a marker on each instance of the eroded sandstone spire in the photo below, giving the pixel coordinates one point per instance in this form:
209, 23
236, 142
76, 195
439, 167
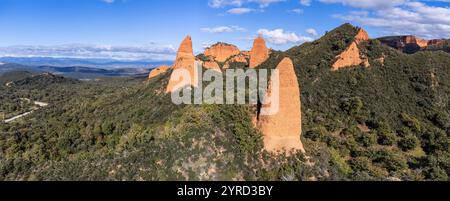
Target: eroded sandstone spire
185, 55
259, 53
185, 60
282, 129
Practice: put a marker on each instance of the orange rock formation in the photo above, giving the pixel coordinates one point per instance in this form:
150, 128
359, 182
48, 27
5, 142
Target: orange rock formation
185, 60
211, 65
158, 71
362, 35
282, 130
351, 56
240, 58
220, 52
259, 53
407, 43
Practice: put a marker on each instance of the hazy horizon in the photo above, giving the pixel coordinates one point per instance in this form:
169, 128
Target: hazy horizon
152, 30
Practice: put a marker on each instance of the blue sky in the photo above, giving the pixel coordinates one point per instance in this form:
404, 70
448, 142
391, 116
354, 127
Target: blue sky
153, 29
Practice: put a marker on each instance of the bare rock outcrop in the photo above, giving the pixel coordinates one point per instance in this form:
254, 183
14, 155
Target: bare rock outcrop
259, 53
240, 58
211, 65
436, 42
158, 71
220, 52
362, 35
351, 56
282, 130
185, 60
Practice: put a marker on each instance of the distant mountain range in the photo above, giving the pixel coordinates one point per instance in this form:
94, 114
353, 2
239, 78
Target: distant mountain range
78, 72
92, 63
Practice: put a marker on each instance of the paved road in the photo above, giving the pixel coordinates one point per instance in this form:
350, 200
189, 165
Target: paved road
40, 104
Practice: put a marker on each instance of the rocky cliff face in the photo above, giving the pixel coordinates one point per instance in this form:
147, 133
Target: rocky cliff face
410, 44
185, 60
220, 52
259, 53
351, 56
282, 130
158, 71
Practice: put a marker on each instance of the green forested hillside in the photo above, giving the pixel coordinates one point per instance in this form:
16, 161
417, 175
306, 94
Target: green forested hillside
386, 122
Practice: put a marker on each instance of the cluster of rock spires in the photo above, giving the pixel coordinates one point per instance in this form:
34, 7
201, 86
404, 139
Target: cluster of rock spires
283, 129
219, 53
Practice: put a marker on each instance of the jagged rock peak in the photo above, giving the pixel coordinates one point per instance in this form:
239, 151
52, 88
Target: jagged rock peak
186, 45
185, 60
259, 53
362, 35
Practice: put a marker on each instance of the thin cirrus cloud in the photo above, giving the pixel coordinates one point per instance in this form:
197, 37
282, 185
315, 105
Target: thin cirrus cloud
281, 37
240, 11
150, 51
108, 1
296, 11
222, 29
239, 3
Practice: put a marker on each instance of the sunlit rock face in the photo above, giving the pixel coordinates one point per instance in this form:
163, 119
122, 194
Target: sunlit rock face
185, 60
211, 65
410, 44
282, 126
158, 71
185, 55
352, 56
220, 52
259, 53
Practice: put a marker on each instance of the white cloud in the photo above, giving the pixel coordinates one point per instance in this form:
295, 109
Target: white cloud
108, 1
222, 29
305, 2
311, 32
280, 37
150, 51
240, 11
